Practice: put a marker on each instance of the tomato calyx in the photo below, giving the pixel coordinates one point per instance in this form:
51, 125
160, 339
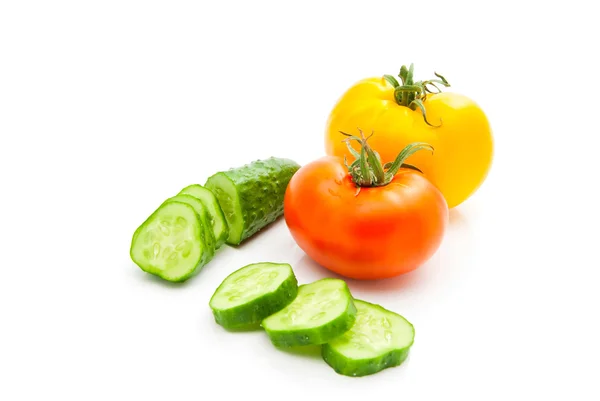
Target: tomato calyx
368, 171
412, 94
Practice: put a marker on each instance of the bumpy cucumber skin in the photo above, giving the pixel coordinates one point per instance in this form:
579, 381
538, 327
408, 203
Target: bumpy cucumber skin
260, 188
315, 335
217, 213
364, 367
204, 256
249, 315
209, 236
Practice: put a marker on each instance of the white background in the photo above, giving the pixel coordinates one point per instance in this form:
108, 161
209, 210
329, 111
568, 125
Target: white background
109, 107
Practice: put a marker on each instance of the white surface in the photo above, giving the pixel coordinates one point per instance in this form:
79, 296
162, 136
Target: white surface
109, 107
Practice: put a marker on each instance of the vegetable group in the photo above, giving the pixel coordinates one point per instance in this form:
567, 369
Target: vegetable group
367, 210
402, 111
365, 221
357, 338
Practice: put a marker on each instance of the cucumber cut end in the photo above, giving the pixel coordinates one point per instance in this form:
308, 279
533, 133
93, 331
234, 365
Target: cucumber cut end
375, 331
322, 311
315, 305
379, 339
205, 225
249, 283
169, 243
252, 293
226, 193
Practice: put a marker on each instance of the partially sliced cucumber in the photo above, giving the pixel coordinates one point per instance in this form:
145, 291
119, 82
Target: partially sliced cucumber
209, 237
252, 293
170, 243
251, 196
217, 218
322, 311
379, 339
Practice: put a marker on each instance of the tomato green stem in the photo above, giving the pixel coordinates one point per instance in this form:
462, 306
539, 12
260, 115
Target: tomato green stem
412, 94
367, 170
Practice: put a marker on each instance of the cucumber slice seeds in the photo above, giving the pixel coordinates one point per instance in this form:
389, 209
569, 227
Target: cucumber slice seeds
379, 339
209, 237
170, 243
251, 196
322, 311
217, 218
252, 293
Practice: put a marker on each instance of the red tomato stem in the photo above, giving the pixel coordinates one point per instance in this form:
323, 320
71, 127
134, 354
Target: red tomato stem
367, 171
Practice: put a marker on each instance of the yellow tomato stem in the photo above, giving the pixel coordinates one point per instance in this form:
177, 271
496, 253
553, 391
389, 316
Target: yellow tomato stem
412, 94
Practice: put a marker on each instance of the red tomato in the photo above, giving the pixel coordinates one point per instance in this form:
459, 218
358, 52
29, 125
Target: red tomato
383, 231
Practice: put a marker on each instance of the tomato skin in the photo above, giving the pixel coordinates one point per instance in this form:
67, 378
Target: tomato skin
381, 232
463, 142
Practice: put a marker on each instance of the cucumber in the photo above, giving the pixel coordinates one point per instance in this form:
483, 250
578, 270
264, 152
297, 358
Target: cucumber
252, 293
170, 244
322, 311
251, 196
209, 237
379, 339
217, 219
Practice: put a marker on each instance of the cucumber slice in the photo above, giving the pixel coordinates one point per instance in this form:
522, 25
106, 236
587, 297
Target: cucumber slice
209, 237
170, 243
378, 340
251, 196
322, 311
252, 293
217, 218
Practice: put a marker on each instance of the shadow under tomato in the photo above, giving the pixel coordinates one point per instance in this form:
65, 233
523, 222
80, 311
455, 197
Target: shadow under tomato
393, 284
454, 247
310, 271
307, 271
446, 265
457, 219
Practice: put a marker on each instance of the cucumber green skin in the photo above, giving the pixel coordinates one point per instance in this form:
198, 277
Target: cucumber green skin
249, 315
362, 367
209, 236
260, 188
215, 213
204, 256
315, 335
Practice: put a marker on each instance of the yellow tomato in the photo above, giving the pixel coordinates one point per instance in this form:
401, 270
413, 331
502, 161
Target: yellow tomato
459, 132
